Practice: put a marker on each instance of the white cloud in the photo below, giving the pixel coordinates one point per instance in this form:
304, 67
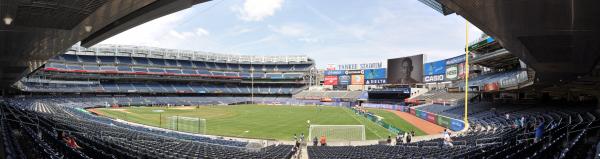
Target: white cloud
202, 32
257, 10
290, 30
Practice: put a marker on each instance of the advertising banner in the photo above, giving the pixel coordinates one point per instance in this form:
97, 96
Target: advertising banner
455, 60
443, 121
423, 115
375, 73
434, 78
354, 72
452, 72
418, 113
358, 80
330, 80
405, 70
375, 81
434, 68
456, 125
344, 80
412, 111
431, 117
334, 72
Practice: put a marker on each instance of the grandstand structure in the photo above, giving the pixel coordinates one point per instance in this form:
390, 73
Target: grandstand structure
147, 70
535, 70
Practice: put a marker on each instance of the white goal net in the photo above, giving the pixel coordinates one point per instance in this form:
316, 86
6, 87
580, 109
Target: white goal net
187, 124
338, 132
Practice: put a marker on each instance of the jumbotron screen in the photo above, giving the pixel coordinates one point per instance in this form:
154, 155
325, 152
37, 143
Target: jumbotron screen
405, 70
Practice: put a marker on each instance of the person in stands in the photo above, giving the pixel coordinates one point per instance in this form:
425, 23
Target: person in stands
323, 141
389, 140
447, 139
71, 142
295, 138
315, 141
399, 138
539, 132
408, 138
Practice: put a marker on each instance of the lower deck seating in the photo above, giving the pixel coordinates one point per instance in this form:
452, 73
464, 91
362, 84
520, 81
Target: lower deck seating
491, 135
25, 127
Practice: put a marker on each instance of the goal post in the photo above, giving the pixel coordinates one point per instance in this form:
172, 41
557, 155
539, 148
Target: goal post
338, 132
187, 124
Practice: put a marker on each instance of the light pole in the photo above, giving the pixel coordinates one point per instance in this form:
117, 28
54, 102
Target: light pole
252, 81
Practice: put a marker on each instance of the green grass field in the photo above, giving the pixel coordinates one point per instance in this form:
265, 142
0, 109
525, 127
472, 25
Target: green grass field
393, 119
261, 121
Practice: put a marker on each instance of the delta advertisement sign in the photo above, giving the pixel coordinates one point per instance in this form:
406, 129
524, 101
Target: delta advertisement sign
375, 81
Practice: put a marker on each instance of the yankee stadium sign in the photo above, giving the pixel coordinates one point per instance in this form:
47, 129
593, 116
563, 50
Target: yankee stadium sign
360, 66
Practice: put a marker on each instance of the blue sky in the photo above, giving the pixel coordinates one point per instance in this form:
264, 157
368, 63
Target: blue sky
329, 31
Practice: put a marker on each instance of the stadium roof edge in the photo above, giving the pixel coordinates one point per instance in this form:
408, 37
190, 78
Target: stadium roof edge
434, 4
155, 52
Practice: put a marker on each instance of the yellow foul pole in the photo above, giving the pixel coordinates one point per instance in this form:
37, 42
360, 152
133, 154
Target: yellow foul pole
466, 119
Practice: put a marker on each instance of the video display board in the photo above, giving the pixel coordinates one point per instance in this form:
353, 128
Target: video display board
434, 68
358, 79
405, 70
375, 73
344, 80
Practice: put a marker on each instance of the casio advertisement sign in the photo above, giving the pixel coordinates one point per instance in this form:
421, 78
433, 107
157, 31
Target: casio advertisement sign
434, 78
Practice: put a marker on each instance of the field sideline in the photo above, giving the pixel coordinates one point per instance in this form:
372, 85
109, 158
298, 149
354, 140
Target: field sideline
260, 121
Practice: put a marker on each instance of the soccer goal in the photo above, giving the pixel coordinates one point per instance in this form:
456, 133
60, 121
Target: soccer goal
338, 132
187, 124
